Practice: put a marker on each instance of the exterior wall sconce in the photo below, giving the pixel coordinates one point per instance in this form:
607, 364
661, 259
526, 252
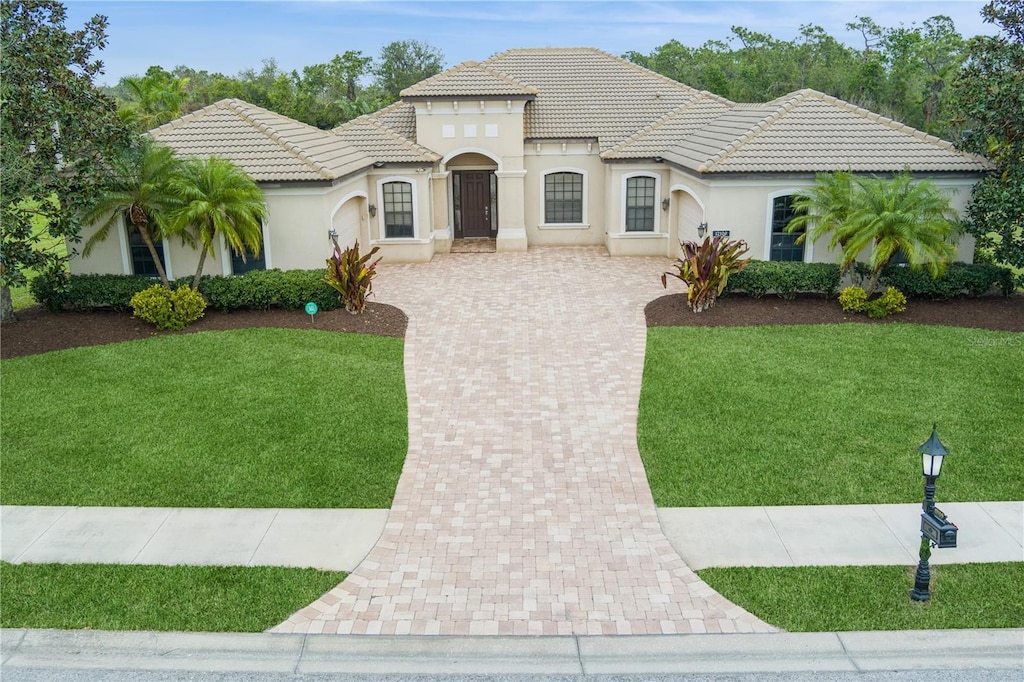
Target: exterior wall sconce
664, 204
702, 229
936, 529
372, 208
332, 234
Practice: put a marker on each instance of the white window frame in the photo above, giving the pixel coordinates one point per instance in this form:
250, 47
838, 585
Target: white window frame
769, 212
126, 258
657, 202
542, 222
381, 228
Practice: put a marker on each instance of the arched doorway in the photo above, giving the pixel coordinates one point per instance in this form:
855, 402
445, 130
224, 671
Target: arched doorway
474, 196
689, 214
349, 221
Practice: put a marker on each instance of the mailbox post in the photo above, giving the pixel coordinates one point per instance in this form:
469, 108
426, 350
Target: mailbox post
936, 529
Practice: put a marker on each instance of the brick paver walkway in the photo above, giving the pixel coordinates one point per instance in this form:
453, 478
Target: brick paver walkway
523, 507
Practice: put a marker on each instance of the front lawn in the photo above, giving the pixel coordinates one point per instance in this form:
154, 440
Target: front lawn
173, 598
836, 598
829, 414
250, 418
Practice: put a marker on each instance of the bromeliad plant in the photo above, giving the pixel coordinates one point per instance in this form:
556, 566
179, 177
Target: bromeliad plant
352, 275
705, 268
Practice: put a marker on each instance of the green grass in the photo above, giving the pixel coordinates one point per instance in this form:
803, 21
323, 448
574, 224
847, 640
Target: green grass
250, 418
837, 598
175, 598
21, 297
829, 414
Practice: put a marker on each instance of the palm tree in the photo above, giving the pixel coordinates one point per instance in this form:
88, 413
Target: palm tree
887, 216
213, 196
901, 216
138, 188
823, 209
156, 98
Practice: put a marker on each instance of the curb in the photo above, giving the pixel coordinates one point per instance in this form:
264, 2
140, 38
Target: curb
995, 649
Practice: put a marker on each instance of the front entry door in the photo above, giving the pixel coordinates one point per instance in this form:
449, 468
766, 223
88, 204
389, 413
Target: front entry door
476, 203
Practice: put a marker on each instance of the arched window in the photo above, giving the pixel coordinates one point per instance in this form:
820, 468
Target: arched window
783, 244
563, 197
398, 209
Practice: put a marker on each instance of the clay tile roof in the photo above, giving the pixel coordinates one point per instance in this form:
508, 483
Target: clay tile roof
380, 142
469, 79
808, 131
268, 146
587, 93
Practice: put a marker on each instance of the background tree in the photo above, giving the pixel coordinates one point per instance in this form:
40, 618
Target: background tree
153, 99
139, 189
404, 63
56, 132
989, 97
213, 196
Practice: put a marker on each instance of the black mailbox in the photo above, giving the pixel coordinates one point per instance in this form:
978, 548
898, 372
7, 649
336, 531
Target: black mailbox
939, 529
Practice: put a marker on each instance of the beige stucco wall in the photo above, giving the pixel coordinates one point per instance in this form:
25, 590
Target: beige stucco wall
579, 157
617, 240
743, 207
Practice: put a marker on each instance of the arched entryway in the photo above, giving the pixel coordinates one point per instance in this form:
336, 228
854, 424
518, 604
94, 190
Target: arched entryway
688, 214
349, 220
474, 196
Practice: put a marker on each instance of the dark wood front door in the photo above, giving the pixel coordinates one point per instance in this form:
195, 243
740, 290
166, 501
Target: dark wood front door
476, 209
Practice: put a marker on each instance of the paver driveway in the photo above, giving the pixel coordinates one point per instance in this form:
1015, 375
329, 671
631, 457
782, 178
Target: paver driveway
523, 507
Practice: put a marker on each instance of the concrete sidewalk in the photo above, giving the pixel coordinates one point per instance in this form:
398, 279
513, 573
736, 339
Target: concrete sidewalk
338, 539
295, 654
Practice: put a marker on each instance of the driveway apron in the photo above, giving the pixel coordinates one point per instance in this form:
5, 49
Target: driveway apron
523, 507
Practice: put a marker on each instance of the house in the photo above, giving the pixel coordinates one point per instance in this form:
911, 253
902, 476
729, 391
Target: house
542, 147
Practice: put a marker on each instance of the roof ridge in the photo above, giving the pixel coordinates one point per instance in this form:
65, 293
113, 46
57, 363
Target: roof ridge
508, 79
461, 66
408, 144
190, 116
663, 77
754, 130
241, 108
885, 120
651, 127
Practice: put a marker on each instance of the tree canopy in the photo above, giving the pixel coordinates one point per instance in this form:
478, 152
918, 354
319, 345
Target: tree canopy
57, 132
990, 102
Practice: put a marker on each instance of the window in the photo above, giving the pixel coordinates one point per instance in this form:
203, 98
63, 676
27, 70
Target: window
142, 259
563, 198
398, 209
640, 204
240, 267
783, 244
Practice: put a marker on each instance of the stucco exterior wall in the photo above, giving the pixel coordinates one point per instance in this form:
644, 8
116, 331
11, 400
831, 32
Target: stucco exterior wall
617, 240
743, 206
579, 157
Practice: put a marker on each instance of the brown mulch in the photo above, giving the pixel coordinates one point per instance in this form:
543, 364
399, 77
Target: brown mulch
988, 312
37, 331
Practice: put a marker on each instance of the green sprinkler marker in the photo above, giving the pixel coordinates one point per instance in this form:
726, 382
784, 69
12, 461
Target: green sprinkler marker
311, 310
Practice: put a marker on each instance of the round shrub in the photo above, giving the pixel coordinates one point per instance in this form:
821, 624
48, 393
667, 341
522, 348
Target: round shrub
853, 299
890, 302
168, 310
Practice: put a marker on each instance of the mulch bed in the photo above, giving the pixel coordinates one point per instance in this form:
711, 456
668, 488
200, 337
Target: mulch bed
37, 331
988, 312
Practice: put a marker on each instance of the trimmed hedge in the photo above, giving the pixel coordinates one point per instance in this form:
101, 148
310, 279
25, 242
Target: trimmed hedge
85, 292
262, 289
256, 289
786, 279
960, 279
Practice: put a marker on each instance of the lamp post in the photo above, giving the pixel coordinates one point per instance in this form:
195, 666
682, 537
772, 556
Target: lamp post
932, 453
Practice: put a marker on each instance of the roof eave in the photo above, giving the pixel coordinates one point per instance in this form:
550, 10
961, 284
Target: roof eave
448, 98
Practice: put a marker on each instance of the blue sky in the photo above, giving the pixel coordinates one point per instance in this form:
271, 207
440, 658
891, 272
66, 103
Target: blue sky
230, 36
